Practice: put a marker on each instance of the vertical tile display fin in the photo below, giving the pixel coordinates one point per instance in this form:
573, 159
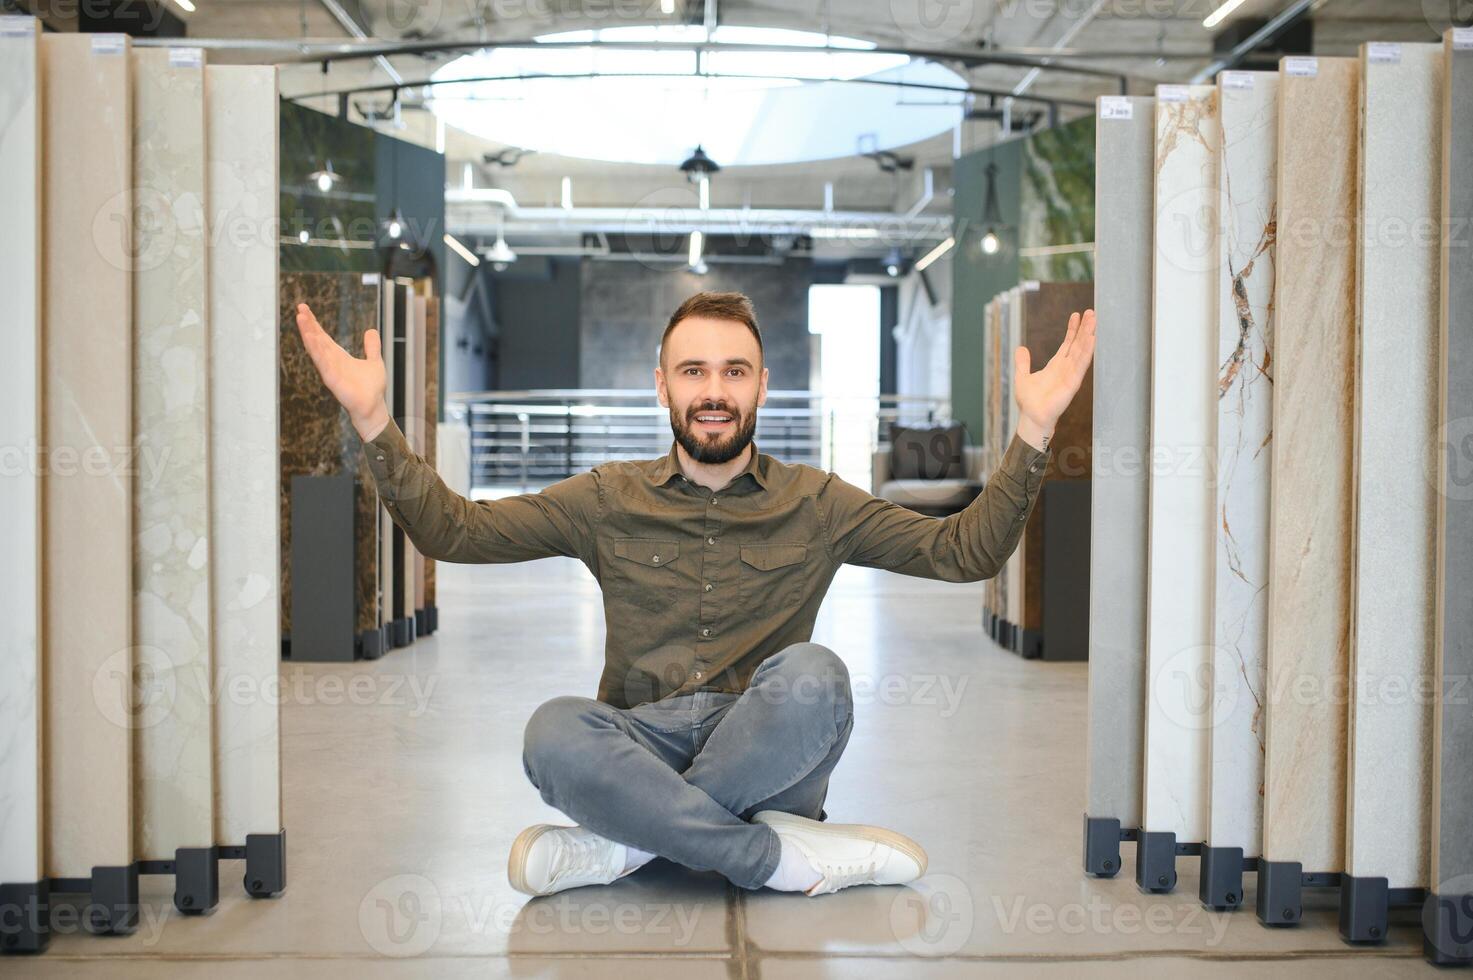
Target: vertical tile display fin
1388, 770
1309, 527
1183, 345
1451, 880
174, 763
1244, 358
1124, 164
88, 575
20, 486
246, 463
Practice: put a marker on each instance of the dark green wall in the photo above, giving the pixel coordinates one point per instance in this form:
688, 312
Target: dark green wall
976, 277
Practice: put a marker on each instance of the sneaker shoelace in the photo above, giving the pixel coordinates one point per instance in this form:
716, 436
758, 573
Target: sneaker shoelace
844, 874
577, 857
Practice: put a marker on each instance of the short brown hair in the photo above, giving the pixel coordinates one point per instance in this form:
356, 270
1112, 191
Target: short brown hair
718, 306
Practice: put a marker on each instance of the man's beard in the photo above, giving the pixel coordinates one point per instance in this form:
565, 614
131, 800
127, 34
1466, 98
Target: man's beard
708, 450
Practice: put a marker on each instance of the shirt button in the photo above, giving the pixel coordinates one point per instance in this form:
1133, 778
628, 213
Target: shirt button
698, 675
706, 631
710, 540
380, 457
656, 559
1033, 468
713, 500
708, 586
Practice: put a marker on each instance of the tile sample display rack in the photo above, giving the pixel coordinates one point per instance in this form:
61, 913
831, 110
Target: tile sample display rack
122, 572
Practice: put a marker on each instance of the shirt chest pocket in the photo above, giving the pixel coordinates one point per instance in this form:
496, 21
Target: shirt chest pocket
642, 574
771, 577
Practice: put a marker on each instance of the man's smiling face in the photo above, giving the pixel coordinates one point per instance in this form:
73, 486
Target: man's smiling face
712, 379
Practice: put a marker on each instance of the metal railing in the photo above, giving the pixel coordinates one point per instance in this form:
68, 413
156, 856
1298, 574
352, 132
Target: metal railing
529, 439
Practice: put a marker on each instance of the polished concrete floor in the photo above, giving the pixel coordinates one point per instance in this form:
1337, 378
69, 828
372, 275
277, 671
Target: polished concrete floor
404, 788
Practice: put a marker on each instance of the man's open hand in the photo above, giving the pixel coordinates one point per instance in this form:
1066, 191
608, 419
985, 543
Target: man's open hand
1043, 395
358, 383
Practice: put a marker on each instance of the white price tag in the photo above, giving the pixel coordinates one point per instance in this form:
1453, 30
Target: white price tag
1116, 107
370, 278
17, 26
1171, 93
1237, 79
107, 44
1463, 38
1301, 67
1383, 53
186, 57
1030, 285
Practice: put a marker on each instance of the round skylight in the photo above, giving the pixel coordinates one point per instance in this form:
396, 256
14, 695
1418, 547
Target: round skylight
648, 105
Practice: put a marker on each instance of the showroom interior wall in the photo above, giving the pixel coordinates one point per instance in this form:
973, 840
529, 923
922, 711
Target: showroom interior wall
625, 306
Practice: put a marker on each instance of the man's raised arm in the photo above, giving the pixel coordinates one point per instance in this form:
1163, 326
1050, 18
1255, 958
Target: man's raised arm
444, 525
863, 529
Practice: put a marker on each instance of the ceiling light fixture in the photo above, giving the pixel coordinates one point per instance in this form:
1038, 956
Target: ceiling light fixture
1218, 15
934, 254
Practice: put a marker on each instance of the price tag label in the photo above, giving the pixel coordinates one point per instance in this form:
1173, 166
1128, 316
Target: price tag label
1116, 107
1030, 285
1383, 53
370, 278
1171, 93
1463, 38
186, 57
1237, 79
12, 25
1300, 67
107, 44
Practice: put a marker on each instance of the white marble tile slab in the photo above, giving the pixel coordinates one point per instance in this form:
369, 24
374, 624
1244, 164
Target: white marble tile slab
1124, 191
1452, 801
20, 428
1388, 772
245, 462
1309, 532
89, 396
174, 762
1183, 404
1248, 103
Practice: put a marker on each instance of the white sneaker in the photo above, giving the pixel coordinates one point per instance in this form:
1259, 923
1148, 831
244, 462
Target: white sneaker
546, 858
848, 853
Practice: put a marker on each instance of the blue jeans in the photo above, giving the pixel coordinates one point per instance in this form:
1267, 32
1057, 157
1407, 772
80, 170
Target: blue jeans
682, 777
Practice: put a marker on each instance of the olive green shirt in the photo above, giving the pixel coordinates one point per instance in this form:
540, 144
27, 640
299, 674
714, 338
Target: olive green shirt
701, 586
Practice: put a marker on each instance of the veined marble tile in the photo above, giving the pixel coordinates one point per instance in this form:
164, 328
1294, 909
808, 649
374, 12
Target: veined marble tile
387, 530
1452, 799
245, 463
407, 400
316, 437
1309, 525
1124, 191
20, 485
421, 431
1010, 426
1388, 774
173, 774
432, 414
1248, 103
1179, 513
1046, 313
88, 574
